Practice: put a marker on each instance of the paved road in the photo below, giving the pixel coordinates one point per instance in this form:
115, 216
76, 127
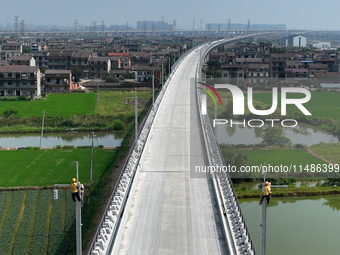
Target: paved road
173, 211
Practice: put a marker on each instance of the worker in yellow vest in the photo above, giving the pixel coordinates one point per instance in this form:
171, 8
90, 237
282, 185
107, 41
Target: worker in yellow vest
266, 193
74, 190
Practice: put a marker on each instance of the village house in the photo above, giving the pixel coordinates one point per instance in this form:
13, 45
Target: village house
20, 81
58, 81
23, 60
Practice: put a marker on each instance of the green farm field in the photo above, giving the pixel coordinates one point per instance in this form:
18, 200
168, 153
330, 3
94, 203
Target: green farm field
31, 222
284, 163
321, 105
64, 105
278, 157
114, 102
329, 151
68, 105
49, 167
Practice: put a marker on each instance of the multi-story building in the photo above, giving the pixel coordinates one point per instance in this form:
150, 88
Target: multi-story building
19, 81
296, 73
257, 70
296, 41
140, 58
277, 63
145, 73
58, 81
23, 60
99, 67
81, 60
11, 49
322, 45
232, 71
41, 60
314, 68
58, 60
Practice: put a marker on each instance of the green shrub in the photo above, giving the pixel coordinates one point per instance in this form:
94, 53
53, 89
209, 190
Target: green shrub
23, 98
29, 147
58, 147
118, 125
68, 123
68, 147
109, 78
9, 112
84, 147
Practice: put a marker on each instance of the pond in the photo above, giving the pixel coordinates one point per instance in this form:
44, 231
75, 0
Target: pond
52, 139
301, 134
295, 226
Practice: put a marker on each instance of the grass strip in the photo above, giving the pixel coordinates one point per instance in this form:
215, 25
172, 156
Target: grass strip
290, 192
38, 245
18, 222
48, 223
32, 225
8, 206
23, 234
10, 223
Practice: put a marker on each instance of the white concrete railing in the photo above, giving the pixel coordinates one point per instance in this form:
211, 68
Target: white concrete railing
235, 228
107, 230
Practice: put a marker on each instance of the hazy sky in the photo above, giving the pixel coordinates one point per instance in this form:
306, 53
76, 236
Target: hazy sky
302, 14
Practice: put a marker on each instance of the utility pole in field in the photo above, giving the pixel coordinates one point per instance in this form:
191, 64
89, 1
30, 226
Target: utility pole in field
92, 147
42, 129
264, 212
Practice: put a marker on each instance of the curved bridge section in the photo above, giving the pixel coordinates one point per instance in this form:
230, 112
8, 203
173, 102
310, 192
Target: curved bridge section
160, 206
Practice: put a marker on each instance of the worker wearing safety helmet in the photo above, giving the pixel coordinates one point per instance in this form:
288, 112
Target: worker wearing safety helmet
74, 190
266, 193
269, 187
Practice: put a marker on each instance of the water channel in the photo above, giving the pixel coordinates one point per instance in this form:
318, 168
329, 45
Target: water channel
295, 226
107, 139
301, 134
298, 225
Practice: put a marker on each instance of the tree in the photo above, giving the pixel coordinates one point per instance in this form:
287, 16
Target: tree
214, 64
26, 49
241, 159
276, 50
228, 113
217, 74
9, 112
130, 76
111, 79
214, 68
274, 137
77, 73
332, 182
220, 48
